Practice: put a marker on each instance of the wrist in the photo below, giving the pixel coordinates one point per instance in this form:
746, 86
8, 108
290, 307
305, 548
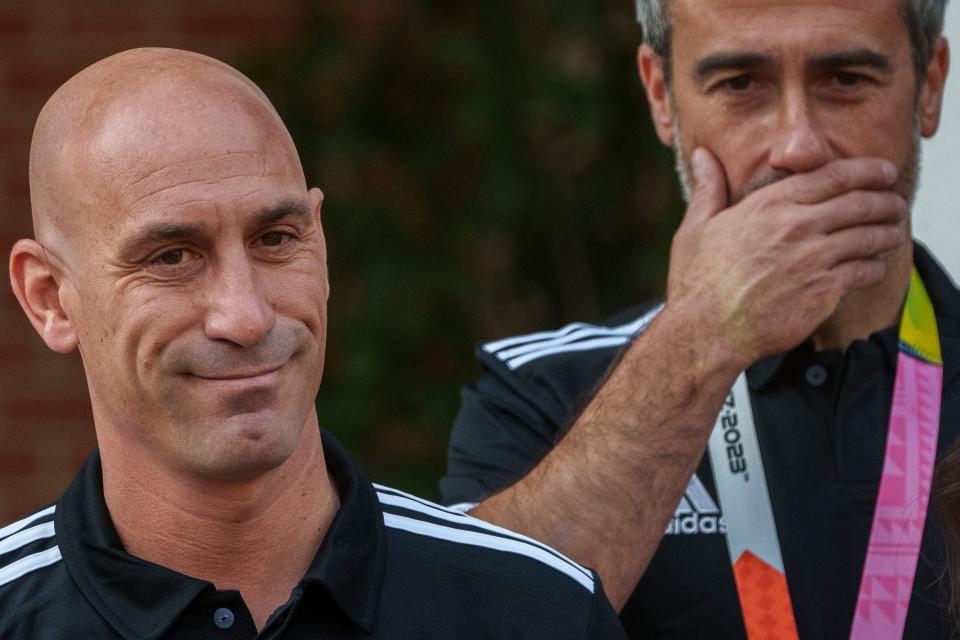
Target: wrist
709, 349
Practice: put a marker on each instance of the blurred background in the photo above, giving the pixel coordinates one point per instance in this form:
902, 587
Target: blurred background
489, 169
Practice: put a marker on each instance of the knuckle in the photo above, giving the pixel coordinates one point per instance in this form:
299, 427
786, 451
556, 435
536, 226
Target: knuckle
862, 204
800, 227
869, 240
823, 287
835, 177
808, 260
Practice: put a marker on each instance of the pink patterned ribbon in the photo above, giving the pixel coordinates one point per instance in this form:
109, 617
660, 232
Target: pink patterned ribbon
901, 510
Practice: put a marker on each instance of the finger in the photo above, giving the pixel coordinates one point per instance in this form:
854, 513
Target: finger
863, 242
840, 176
857, 208
709, 188
860, 274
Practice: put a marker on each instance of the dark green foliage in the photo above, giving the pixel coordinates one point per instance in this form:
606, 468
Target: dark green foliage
489, 168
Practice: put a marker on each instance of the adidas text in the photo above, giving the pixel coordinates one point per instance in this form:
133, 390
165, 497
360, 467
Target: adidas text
694, 523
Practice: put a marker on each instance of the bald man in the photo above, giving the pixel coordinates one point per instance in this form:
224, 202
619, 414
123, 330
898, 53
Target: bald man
179, 250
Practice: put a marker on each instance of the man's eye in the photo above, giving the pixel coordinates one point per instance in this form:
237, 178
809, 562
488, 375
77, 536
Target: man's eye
274, 238
172, 257
737, 84
847, 79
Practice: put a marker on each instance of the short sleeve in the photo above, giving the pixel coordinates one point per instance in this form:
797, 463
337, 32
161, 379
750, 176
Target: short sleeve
500, 433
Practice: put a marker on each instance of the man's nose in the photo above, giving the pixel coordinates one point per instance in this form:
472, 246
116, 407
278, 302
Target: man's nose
800, 143
237, 307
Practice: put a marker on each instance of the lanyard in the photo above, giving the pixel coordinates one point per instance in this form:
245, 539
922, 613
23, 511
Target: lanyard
901, 509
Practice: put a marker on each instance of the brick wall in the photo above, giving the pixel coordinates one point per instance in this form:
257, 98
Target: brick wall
45, 423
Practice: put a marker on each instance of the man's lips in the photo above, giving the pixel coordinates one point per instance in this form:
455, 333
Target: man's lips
251, 375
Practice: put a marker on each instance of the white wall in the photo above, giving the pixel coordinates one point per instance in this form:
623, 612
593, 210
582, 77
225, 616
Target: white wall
936, 214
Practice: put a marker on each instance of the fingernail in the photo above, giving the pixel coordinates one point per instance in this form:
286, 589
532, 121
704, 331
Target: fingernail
890, 171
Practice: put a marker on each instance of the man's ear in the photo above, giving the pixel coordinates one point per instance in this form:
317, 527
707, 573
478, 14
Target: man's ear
650, 65
37, 288
930, 105
316, 201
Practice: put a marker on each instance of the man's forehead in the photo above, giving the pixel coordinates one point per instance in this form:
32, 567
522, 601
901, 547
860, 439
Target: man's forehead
135, 183
234, 176
204, 155
778, 5
789, 13
172, 123
766, 26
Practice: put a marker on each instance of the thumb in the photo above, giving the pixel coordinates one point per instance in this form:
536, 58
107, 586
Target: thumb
709, 187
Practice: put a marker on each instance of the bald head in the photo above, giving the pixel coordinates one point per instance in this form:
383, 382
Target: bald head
112, 134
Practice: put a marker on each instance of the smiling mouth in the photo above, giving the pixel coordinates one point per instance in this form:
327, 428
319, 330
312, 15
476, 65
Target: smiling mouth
254, 375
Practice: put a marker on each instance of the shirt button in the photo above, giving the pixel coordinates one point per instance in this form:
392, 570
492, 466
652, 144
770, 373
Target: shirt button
223, 618
816, 375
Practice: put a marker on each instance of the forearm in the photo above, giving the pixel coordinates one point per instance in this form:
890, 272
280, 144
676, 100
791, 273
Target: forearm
746, 281
604, 495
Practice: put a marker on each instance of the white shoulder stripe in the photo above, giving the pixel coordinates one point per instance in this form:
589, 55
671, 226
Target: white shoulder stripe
385, 490
583, 331
27, 536
485, 540
30, 563
20, 524
497, 345
462, 507
507, 354
462, 518
586, 345
587, 338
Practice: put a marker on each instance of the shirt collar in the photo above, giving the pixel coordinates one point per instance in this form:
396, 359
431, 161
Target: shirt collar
350, 563
139, 599
946, 305
943, 292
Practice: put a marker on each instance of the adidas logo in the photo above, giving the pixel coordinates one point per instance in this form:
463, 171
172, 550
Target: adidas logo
696, 513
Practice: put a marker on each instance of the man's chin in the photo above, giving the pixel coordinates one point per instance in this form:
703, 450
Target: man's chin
240, 447
238, 469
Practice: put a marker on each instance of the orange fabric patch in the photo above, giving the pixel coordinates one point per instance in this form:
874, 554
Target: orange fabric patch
764, 599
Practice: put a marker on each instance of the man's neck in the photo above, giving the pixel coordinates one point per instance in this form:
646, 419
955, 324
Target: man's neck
865, 311
257, 537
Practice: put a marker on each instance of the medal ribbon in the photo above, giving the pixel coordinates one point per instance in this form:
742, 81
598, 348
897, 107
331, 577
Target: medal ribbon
901, 509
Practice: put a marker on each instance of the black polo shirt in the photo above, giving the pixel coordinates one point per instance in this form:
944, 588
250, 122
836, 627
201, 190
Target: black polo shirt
391, 566
822, 425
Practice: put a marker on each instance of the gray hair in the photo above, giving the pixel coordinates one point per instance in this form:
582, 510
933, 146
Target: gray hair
924, 20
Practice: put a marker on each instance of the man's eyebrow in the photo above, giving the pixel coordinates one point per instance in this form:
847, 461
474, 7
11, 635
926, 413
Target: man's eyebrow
852, 58
746, 60
297, 209
158, 233
161, 232
726, 60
